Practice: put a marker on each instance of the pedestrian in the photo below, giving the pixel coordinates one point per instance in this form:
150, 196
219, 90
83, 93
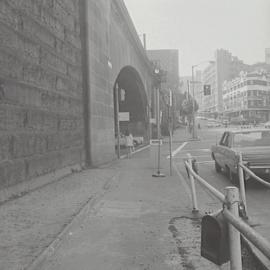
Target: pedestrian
129, 143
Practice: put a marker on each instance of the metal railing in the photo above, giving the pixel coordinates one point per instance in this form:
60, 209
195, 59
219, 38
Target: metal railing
241, 169
252, 174
230, 203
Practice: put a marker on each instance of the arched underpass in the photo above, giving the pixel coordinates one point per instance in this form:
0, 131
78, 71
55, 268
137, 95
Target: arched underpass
132, 104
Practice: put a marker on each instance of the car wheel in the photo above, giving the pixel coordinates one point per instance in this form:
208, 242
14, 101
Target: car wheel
233, 177
217, 167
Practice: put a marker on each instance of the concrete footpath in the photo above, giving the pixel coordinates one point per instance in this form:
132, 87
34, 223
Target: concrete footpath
117, 217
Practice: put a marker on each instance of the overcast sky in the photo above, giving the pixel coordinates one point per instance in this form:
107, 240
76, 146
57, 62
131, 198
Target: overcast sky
198, 27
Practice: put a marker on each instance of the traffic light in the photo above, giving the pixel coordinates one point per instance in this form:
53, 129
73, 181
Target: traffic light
207, 89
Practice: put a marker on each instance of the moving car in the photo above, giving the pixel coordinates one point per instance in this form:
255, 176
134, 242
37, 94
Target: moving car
238, 121
254, 144
213, 123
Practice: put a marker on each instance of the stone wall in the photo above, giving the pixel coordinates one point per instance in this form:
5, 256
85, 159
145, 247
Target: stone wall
41, 111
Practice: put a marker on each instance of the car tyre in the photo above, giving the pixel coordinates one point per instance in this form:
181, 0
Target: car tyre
233, 178
217, 167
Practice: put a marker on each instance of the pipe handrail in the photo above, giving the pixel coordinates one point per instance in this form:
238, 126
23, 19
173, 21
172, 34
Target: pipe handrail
253, 175
254, 237
214, 191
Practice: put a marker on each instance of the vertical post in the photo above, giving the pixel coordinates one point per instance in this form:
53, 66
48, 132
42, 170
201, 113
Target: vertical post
144, 41
170, 132
158, 126
193, 106
242, 183
117, 118
193, 189
232, 200
157, 72
170, 126
158, 114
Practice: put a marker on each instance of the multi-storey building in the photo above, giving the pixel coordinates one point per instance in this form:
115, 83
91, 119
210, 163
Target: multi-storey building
248, 97
209, 103
226, 67
198, 89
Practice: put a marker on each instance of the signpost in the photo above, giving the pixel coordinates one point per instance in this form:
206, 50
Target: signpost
123, 116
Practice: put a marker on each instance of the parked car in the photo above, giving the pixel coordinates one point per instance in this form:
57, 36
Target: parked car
138, 140
254, 144
267, 124
213, 123
122, 140
239, 121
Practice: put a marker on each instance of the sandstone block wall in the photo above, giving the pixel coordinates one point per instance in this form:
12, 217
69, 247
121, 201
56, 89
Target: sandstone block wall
41, 124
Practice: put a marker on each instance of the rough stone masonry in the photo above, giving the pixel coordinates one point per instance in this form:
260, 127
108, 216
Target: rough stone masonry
41, 124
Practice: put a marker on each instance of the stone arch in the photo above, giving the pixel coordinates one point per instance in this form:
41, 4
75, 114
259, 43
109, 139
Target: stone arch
132, 101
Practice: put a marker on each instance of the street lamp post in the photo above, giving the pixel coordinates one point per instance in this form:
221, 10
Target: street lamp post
194, 135
158, 74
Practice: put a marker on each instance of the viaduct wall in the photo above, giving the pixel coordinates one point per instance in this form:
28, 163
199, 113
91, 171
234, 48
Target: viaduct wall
41, 127
59, 60
113, 45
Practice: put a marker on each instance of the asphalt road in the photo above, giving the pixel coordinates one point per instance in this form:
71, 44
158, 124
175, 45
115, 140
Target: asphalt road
257, 195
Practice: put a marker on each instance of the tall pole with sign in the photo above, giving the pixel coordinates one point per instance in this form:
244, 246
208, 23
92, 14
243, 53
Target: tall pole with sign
158, 82
117, 119
170, 127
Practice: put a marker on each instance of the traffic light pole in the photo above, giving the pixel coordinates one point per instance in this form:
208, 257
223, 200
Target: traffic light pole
117, 119
158, 174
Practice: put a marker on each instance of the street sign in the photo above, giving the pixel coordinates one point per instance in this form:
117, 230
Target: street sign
123, 116
153, 121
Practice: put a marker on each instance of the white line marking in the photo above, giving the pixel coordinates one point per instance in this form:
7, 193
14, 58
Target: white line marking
198, 149
178, 149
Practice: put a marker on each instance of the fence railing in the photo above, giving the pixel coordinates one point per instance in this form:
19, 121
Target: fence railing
241, 169
230, 203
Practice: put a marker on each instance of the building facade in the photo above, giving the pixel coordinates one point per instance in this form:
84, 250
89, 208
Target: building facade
248, 97
63, 67
226, 67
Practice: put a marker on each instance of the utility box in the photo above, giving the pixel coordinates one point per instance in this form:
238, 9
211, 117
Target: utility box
215, 238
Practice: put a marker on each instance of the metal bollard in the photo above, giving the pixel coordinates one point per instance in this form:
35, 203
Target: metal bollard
193, 189
232, 202
242, 185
